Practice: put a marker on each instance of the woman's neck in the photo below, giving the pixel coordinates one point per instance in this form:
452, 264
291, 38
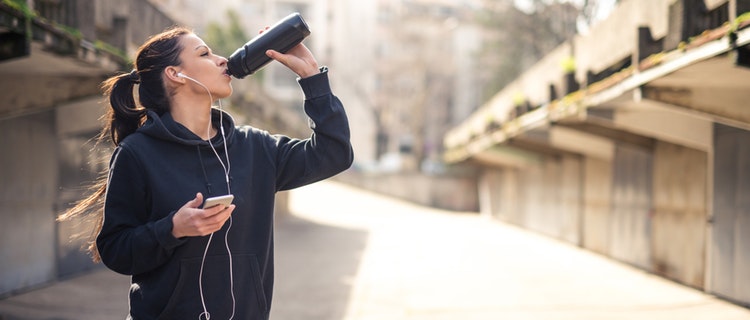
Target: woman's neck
194, 115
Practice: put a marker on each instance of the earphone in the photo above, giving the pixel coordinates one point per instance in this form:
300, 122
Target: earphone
226, 168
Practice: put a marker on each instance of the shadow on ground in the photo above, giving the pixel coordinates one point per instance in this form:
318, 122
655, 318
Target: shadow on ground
316, 266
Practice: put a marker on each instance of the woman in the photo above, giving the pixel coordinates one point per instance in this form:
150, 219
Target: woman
173, 150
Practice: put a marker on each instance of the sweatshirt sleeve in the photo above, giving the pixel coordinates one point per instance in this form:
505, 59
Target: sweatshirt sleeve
129, 243
328, 151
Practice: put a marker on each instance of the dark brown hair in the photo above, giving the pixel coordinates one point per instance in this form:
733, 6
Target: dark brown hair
125, 116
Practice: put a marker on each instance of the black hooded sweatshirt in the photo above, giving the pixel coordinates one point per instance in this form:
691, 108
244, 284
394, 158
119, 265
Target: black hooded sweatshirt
160, 167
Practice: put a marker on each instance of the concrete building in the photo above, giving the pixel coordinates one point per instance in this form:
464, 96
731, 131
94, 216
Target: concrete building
54, 56
644, 156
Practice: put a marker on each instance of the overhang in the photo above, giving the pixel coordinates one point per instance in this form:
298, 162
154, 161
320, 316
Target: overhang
45, 64
674, 97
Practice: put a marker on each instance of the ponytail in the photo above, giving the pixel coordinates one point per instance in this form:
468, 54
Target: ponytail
124, 116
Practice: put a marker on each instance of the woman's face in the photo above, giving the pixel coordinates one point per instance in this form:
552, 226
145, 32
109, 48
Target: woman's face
199, 63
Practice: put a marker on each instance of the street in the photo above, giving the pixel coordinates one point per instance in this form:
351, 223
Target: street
349, 254
368, 257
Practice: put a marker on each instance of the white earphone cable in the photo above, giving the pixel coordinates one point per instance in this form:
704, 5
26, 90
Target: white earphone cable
226, 168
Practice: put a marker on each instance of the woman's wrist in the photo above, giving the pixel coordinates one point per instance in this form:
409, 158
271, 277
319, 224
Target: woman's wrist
309, 73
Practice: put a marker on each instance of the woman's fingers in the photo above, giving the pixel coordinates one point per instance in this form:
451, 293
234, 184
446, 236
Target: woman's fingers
192, 221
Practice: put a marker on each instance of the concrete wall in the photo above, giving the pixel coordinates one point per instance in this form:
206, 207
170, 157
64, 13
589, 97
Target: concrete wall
500, 191
551, 198
127, 24
80, 163
535, 83
458, 192
630, 223
27, 234
679, 213
599, 50
596, 204
546, 198
52, 163
730, 229
645, 207
31, 93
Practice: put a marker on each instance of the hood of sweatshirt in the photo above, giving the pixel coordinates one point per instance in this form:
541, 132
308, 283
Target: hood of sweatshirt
164, 127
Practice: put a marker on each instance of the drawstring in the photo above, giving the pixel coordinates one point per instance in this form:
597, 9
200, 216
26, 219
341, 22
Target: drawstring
203, 167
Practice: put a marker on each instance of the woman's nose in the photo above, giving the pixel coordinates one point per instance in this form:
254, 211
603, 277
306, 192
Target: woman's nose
222, 61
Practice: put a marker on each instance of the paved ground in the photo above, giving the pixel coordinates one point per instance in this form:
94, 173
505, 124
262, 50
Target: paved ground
346, 254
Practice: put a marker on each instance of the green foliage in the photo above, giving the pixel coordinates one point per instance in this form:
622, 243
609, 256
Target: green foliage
106, 47
21, 6
519, 99
224, 39
73, 32
740, 20
568, 64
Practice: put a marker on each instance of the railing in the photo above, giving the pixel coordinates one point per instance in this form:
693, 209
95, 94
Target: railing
115, 27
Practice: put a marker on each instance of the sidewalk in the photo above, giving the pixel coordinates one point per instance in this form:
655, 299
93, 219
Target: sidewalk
419, 263
346, 254
101, 294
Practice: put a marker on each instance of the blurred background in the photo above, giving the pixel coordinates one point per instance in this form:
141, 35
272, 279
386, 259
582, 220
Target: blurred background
620, 127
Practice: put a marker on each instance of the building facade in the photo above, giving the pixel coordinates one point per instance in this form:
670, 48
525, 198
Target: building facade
639, 152
55, 55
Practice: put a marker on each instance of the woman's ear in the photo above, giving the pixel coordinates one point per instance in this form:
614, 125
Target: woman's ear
173, 75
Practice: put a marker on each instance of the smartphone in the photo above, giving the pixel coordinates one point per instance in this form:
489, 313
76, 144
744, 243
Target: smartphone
225, 200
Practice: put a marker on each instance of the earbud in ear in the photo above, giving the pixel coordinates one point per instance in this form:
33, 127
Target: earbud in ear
182, 75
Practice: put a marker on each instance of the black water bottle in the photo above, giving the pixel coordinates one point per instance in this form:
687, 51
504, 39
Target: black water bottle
281, 37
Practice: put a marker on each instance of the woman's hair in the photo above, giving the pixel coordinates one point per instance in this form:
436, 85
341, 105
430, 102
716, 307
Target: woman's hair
125, 116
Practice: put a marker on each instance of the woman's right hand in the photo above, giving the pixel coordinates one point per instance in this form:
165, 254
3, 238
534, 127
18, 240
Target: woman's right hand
191, 220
